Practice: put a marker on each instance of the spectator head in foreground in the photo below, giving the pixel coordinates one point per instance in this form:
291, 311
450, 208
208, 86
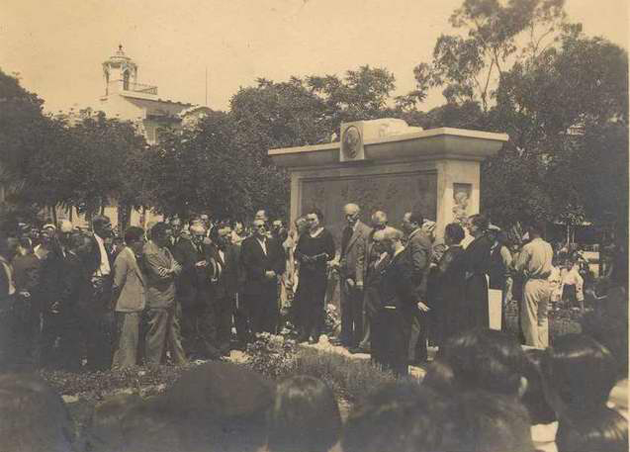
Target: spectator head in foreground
480, 421
579, 374
485, 359
540, 412
401, 417
304, 418
221, 404
106, 432
602, 430
33, 416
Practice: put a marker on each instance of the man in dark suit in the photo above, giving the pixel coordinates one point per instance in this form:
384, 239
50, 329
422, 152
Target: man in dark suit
262, 261
194, 290
374, 262
391, 326
100, 318
419, 247
61, 281
352, 269
225, 282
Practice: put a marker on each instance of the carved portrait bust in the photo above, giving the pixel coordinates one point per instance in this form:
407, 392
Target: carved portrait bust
351, 142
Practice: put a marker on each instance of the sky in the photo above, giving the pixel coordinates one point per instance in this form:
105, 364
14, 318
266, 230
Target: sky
58, 46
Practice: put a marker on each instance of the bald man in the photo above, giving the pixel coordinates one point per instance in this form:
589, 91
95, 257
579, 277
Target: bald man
352, 271
371, 280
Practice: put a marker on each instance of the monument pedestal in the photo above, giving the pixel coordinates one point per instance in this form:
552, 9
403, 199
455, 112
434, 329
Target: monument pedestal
385, 165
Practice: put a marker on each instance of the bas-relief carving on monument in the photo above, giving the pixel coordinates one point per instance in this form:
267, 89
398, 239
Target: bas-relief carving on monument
461, 200
395, 194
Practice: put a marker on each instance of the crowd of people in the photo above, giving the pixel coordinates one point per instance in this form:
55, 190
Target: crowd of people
176, 292
483, 392
78, 300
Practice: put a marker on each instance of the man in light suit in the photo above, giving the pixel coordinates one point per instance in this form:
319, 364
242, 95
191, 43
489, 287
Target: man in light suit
129, 295
352, 269
163, 325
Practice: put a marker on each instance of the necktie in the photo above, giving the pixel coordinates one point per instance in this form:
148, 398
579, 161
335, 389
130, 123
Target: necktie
347, 235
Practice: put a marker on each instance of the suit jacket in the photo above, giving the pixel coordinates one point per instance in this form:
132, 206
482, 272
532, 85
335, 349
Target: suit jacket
353, 257
227, 274
62, 280
397, 288
193, 282
419, 247
255, 263
93, 262
159, 282
129, 282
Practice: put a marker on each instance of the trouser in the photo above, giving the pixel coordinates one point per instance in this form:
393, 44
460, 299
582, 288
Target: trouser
390, 338
163, 333
534, 320
351, 313
99, 325
312, 295
61, 340
417, 350
225, 309
208, 329
24, 323
262, 312
127, 339
190, 319
241, 323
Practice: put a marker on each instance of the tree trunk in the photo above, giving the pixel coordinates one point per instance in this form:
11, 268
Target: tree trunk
54, 215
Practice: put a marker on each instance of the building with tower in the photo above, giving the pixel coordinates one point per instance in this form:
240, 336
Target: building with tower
127, 99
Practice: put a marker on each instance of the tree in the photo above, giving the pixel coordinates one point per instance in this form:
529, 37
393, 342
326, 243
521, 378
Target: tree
23, 130
469, 65
197, 170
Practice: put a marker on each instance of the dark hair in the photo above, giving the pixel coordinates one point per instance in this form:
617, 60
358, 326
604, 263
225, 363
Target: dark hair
133, 234
33, 416
99, 221
214, 232
416, 217
222, 403
159, 229
193, 219
455, 232
608, 325
603, 430
316, 211
485, 359
537, 227
480, 221
580, 371
483, 421
235, 222
534, 398
401, 417
440, 378
305, 416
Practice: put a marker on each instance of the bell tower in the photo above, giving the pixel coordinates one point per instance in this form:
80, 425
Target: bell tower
120, 73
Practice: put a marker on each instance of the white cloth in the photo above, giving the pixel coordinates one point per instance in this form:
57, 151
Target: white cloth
263, 245
573, 278
104, 269
544, 437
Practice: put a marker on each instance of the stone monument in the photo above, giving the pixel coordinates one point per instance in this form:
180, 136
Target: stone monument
385, 164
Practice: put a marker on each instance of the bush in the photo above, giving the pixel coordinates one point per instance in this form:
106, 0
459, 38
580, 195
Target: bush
350, 379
